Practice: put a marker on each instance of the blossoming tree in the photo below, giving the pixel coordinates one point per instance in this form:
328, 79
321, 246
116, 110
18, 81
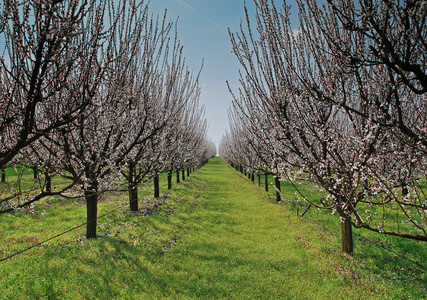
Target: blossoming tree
342, 100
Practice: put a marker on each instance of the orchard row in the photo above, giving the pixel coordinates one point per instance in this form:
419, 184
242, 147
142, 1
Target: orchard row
338, 100
95, 91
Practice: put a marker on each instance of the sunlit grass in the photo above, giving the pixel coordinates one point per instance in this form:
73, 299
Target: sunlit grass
215, 236
385, 266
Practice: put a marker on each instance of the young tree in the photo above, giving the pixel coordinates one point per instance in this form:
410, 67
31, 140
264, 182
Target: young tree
48, 73
43, 45
94, 146
380, 47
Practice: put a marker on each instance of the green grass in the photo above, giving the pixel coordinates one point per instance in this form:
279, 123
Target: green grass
384, 265
393, 220
215, 236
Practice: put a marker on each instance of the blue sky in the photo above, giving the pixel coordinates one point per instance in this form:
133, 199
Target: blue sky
202, 30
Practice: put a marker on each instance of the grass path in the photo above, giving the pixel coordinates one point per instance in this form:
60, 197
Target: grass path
216, 236
238, 244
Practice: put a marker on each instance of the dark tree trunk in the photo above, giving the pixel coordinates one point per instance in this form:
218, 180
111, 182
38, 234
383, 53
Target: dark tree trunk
3, 175
259, 179
405, 190
48, 181
183, 174
91, 196
35, 172
156, 187
252, 177
177, 176
347, 236
266, 182
169, 180
133, 189
277, 184
188, 172
92, 213
133, 198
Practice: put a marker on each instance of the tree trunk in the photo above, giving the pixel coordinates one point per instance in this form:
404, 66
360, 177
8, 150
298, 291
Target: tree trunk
156, 187
252, 177
35, 172
405, 190
188, 172
133, 189
347, 236
259, 179
266, 182
177, 176
169, 180
183, 174
277, 184
92, 213
3, 175
133, 198
48, 181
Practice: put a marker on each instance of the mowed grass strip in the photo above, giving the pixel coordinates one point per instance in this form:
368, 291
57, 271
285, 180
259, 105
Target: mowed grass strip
215, 236
238, 244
